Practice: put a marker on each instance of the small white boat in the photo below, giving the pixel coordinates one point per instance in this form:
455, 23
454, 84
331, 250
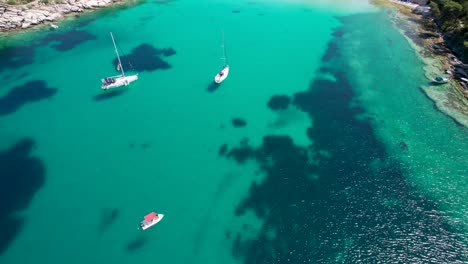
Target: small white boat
224, 72
440, 80
222, 75
150, 220
119, 80
53, 26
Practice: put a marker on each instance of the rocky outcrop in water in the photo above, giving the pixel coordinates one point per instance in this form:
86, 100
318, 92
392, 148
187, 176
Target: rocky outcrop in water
14, 17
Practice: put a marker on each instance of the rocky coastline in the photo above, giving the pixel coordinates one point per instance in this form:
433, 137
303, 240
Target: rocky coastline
18, 17
417, 25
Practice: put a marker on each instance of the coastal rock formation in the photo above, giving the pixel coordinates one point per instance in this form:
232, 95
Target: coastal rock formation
35, 13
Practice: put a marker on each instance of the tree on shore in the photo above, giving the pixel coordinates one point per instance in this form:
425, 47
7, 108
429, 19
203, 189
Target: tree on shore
452, 17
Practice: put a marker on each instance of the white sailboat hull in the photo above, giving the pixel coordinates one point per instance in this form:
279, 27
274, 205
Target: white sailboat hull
222, 75
145, 225
118, 81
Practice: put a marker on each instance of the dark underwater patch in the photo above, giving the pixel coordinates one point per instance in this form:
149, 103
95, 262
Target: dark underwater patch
238, 122
331, 51
85, 22
21, 176
279, 102
236, 11
15, 77
15, 57
147, 58
168, 52
67, 40
403, 145
31, 91
242, 153
338, 33
145, 145
222, 150
342, 196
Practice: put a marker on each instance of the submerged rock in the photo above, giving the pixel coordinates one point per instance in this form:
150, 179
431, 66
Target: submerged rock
403, 145
238, 122
222, 150
279, 102
242, 153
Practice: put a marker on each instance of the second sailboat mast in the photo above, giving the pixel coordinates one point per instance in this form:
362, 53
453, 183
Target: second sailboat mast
118, 57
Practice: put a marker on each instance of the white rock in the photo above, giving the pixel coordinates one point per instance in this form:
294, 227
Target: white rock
41, 17
66, 8
12, 10
92, 3
16, 20
43, 12
5, 17
55, 16
25, 25
30, 16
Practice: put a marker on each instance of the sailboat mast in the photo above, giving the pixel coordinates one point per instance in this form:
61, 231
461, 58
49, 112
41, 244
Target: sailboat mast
118, 57
224, 50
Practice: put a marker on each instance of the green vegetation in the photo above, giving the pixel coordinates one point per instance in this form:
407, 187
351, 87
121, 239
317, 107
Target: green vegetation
18, 2
452, 18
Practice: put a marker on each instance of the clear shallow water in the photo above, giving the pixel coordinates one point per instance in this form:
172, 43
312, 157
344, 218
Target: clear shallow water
361, 166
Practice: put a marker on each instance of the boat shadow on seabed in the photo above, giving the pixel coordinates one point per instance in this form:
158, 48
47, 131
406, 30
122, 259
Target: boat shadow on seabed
108, 95
212, 87
136, 243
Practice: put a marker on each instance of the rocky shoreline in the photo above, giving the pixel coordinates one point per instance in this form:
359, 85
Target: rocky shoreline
450, 98
17, 17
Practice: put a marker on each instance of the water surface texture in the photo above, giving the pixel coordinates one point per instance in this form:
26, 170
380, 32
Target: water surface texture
319, 147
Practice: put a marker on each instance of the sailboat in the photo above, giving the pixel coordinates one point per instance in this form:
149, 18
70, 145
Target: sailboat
223, 73
119, 80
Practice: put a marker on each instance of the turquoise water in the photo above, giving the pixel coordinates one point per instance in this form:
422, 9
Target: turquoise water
360, 167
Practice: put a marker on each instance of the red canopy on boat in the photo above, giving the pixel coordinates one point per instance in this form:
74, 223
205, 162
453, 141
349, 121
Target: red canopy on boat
150, 217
